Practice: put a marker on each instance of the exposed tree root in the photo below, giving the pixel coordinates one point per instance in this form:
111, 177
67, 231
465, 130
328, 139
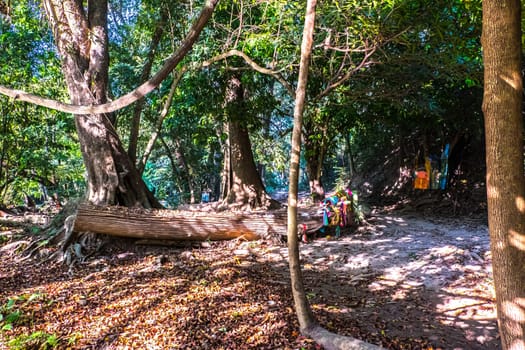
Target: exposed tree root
50, 242
333, 341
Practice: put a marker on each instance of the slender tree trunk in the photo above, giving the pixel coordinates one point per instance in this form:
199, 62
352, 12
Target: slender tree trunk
178, 162
504, 133
307, 321
226, 165
302, 307
189, 174
160, 121
314, 169
315, 152
146, 71
350, 156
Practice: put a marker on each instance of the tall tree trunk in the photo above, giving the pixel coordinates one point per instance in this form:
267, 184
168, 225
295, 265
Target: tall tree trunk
189, 173
82, 41
504, 132
314, 154
245, 184
314, 171
350, 156
158, 127
302, 307
178, 163
307, 322
226, 165
111, 176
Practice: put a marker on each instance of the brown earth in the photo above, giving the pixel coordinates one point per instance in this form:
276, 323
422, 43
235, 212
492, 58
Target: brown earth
404, 281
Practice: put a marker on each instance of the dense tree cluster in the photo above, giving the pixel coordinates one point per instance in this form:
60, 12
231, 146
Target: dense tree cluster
178, 102
387, 81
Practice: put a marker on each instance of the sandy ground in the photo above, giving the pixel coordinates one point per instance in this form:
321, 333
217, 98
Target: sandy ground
416, 276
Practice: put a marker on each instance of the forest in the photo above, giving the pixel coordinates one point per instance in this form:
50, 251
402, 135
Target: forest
247, 174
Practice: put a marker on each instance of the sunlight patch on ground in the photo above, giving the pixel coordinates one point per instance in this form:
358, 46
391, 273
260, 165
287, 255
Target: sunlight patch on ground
406, 257
420, 275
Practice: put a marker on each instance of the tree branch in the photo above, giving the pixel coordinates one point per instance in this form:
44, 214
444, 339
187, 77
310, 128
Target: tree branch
334, 84
134, 95
289, 88
160, 121
207, 63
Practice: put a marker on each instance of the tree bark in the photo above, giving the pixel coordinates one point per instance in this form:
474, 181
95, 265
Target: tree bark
82, 41
181, 171
302, 307
315, 147
177, 225
307, 321
504, 132
244, 184
133, 96
226, 165
174, 225
350, 156
314, 167
158, 128
146, 71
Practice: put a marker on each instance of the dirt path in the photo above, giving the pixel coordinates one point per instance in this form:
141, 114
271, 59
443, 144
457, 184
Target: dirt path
408, 276
402, 281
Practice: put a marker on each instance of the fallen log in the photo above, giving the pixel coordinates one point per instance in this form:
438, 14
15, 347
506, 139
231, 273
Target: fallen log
178, 225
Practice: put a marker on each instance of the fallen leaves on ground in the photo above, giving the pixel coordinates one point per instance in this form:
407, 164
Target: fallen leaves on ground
200, 297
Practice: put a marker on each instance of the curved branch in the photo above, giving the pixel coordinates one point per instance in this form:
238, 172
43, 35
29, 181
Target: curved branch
289, 88
207, 63
134, 95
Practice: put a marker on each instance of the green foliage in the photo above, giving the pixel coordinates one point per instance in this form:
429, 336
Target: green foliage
360, 210
37, 340
37, 146
191, 146
423, 76
39, 150
9, 316
10, 312
159, 178
342, 177
427, 86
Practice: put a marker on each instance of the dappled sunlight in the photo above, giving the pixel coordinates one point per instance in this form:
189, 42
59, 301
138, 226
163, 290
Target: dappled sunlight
517, 344
405, 280
431, 269
405, 177
457, 304
436, 269
513, 79
517, 239
492, 191
394, 219
187, 299
520, 204
388, 220
513, 311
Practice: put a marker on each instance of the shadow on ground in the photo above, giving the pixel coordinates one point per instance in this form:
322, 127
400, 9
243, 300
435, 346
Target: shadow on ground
401, 282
